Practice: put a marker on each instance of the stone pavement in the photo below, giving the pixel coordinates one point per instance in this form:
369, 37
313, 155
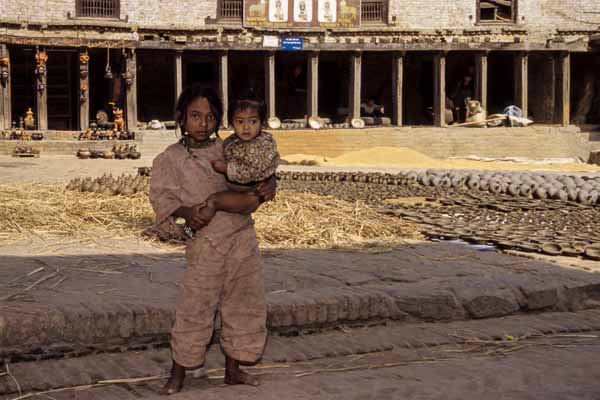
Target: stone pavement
65, 305
521, 356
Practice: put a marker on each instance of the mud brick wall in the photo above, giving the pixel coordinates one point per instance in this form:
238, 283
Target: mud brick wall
533, 143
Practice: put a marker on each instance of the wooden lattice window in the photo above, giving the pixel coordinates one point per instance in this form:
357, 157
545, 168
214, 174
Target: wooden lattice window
373, 11
98, 8
230, 10
496, 10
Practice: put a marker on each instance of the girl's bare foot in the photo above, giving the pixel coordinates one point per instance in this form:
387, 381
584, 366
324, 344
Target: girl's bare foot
175, 382
235, 376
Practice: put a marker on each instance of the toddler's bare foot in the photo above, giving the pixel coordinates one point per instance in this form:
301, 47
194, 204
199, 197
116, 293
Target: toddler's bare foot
175, 382
235, 376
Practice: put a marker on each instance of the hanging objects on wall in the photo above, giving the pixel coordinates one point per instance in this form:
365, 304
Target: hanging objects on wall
41, 57
4, 74
127, 75
107, 71
84, 59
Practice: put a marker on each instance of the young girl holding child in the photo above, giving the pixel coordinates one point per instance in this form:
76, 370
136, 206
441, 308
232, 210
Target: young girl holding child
224, 272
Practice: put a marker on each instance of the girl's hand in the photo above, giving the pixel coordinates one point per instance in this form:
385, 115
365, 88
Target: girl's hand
199, 215
219, 166
267, 189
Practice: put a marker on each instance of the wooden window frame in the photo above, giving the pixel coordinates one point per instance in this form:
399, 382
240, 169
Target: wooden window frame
385, 13
513, 20
116, 14
224, 18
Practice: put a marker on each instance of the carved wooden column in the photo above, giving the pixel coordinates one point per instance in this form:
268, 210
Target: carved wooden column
5, 85
270, 83
41, 57
521, 85
84, 90
131, 89
439, 89
355, 81
481, 78
398, 87
313, 84
178, 74
224, 85
564, 86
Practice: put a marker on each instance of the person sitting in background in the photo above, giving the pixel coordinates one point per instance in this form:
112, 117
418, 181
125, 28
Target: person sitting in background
371, 109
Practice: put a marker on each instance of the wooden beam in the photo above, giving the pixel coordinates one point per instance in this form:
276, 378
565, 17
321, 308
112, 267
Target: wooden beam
5, 92
398, 87
564, 85
84, 90
131, 90
355, 83
481, 79
224, 85
439, 89
41, 90
178, 74
270, 83
521, 81
313, 84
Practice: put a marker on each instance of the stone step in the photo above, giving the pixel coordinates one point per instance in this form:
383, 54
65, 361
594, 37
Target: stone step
308, 291
411, 339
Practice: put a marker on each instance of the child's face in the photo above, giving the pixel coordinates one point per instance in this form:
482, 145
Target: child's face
246, 123
200, 120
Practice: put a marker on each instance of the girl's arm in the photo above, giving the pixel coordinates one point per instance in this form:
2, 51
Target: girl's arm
233, 202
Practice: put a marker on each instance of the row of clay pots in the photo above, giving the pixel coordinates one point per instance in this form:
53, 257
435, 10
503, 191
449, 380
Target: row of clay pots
108, 185
584, 190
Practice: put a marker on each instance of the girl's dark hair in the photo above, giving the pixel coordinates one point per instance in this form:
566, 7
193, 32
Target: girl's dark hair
189, 95
249, 100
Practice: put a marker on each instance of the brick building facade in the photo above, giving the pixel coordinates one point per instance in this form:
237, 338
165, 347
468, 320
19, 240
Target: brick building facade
408, 55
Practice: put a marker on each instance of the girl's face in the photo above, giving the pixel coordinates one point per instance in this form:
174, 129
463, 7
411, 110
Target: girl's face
200, 120
246, 123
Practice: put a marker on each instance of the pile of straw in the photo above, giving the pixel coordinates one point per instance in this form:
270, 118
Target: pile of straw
293, 221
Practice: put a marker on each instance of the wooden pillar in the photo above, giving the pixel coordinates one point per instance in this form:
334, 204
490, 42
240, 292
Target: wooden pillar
313, 84
521, 85
84, 90
131, 102
563, 64
178, 74
270, 83
224, 85
355, 81
439, 89
481, 79
41, 91
5, 92
398, 86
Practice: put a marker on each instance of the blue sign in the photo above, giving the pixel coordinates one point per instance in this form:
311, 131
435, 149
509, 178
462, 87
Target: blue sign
292, 43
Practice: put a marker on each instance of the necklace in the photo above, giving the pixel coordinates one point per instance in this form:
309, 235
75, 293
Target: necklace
190, 143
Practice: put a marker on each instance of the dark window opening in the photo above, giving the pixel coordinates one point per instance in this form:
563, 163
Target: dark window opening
496, 10
373, 11
230, 10
98, 8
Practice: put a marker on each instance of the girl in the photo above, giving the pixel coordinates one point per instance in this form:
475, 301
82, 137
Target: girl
224, 272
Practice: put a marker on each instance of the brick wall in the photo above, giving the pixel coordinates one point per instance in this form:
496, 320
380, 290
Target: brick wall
532, 142
411, 14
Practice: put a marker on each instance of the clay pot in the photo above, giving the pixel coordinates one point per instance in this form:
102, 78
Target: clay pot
525, 190
109, 154
83, 153
552, 249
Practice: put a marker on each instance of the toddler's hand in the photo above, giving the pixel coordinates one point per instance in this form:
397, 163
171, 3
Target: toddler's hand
219, 166
267, 189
